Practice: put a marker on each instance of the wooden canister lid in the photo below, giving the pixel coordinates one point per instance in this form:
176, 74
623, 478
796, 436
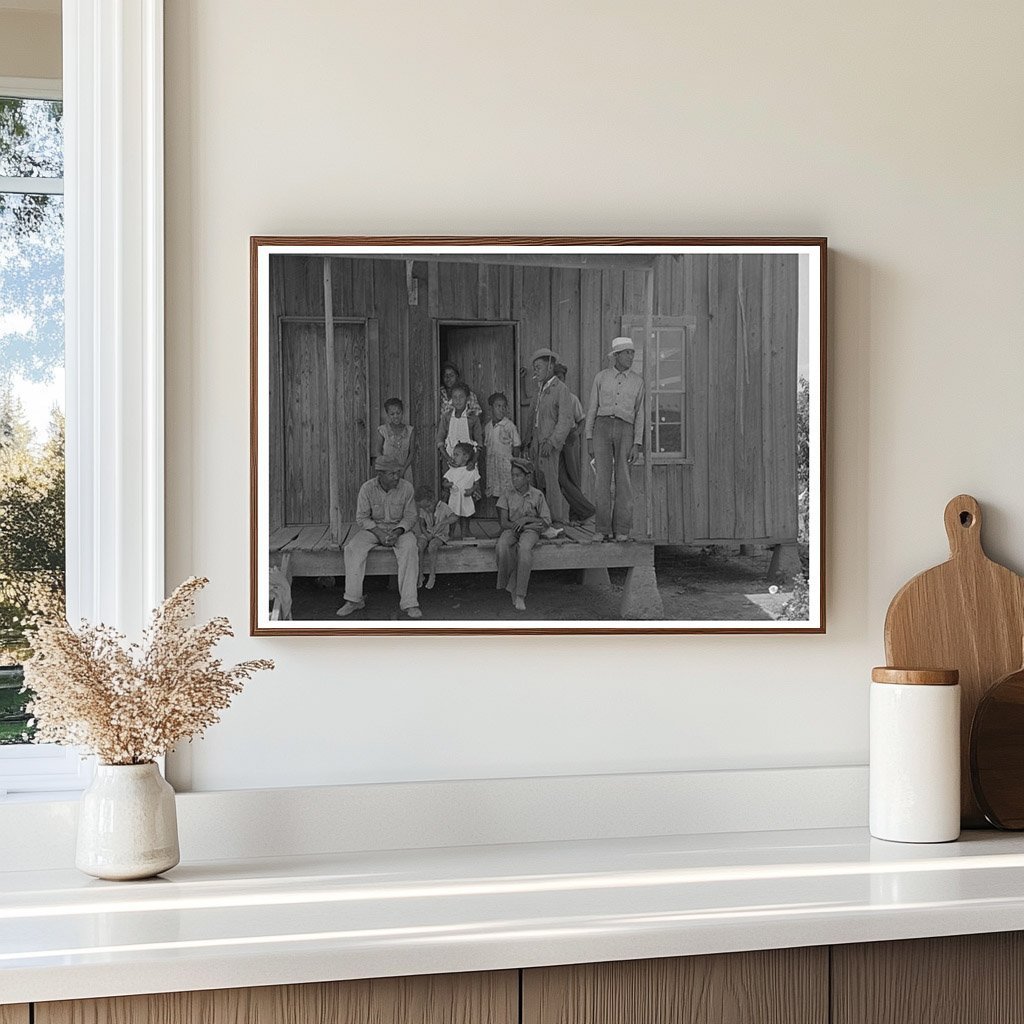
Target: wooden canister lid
916, 676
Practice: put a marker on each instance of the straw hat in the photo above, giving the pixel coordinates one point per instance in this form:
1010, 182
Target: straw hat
622, 345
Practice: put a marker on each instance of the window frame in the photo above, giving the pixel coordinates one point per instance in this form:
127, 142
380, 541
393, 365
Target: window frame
112, 89
636, 327
38, 767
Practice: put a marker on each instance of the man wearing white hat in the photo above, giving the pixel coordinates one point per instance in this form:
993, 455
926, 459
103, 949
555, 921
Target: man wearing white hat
615, 437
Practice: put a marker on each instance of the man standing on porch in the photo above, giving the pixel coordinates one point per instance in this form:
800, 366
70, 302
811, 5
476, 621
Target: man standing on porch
386, 511
615, 437
547, 426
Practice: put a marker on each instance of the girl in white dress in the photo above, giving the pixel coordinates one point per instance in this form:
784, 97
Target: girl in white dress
461, 486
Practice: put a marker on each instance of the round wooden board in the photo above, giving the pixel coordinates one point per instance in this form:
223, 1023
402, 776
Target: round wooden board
997, 752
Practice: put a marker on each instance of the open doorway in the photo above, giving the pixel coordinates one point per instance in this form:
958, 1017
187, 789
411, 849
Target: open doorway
485, 354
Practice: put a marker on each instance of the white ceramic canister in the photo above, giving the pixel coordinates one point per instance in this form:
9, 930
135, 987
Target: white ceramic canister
915, 755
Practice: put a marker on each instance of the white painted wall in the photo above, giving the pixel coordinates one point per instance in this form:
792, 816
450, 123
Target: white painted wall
894, 129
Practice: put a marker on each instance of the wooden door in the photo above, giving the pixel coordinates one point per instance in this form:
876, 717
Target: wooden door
960, 979
304, 419
482, 998
14, 1014
306, 410
776, 986
486, 356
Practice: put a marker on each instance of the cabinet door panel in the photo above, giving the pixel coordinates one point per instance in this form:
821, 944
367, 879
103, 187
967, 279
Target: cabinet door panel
482, 998
14, 1014
960, 979
779, 986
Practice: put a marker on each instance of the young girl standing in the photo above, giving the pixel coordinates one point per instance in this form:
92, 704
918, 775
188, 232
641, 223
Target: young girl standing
461, 486
457, 424
501, 441
394, 437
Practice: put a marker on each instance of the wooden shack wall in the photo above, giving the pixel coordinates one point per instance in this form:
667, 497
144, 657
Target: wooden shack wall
741, 365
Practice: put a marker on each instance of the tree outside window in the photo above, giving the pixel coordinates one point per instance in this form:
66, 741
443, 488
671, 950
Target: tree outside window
31, 386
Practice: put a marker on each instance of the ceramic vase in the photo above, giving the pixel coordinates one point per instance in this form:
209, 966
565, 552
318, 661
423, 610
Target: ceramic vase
127, 825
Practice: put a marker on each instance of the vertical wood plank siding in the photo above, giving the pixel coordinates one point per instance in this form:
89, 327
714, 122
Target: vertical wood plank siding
749, 478
423, 403
698, 398
565, 322
593, 346
741, 368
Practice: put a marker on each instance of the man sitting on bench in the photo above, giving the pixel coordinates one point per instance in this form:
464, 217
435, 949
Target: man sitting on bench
386, 511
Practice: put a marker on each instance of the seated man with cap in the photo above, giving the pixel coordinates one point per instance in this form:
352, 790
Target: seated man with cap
547, 426
524, 518
386, 511
615, 436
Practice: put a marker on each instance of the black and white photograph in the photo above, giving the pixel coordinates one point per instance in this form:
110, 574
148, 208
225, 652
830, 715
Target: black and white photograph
537, 435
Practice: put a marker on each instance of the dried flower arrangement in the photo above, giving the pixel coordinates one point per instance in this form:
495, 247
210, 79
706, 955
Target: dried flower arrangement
130, 703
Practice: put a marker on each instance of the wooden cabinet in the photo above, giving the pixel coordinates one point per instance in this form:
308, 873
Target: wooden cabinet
491, 998
778, 986
963, 979
969, 979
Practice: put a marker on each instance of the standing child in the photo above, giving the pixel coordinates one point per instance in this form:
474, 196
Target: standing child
433, 525
457, 424
461, 486
394, 437
525, 518
502, 442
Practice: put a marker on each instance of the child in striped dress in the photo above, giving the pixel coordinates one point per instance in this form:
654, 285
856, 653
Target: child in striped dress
501, 442
433, 525
394, 437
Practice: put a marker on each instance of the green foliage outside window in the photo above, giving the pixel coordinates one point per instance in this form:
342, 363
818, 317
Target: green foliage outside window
31, 356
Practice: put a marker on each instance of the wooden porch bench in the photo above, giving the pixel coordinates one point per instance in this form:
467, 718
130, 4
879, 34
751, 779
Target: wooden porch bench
311, 551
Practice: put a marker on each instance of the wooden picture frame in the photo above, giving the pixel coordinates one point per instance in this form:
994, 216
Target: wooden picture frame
728, 511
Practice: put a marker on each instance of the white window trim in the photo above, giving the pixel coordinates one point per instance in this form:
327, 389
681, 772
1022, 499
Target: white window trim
32, 88
114, 327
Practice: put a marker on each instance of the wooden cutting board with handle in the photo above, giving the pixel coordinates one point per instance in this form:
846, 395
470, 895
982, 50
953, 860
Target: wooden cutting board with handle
967, 614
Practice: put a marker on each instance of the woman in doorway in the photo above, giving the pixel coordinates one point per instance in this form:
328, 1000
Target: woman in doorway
450, 376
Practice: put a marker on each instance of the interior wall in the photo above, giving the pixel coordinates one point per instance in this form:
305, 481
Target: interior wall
894, 129
30, 44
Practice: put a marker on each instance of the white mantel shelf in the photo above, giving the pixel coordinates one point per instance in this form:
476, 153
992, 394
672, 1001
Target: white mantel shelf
226, 924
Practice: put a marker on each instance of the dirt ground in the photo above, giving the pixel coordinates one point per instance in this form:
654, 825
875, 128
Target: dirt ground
694, 584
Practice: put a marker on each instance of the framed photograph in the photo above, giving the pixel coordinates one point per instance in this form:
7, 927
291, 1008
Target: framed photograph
537, 435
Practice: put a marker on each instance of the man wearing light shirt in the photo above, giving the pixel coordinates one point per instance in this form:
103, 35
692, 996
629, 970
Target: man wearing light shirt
386, 513
615, 435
